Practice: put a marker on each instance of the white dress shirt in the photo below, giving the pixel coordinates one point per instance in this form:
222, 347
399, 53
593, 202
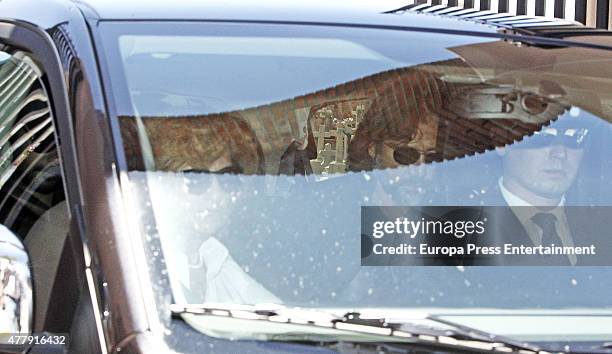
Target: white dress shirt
225, 280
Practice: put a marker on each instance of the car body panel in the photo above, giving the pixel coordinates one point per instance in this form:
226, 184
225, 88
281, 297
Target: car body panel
96, 201
362, 12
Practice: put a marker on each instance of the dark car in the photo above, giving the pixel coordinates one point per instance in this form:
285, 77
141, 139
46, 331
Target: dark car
235, 177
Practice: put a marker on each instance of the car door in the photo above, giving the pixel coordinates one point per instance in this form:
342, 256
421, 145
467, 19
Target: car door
32, 199
38, 189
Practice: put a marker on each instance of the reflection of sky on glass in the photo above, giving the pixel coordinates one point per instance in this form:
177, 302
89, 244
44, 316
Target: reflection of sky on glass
182, 75
4, 57
246, 46
574, 117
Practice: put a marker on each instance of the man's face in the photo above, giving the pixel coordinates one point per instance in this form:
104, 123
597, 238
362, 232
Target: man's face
546, 164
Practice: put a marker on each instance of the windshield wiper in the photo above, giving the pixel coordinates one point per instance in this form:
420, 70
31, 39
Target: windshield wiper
402, 334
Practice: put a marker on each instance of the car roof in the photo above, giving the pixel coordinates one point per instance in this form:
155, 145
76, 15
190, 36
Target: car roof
367, 12
390, 14
190, 8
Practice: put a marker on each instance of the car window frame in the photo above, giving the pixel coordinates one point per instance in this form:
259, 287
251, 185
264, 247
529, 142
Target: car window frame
38, 44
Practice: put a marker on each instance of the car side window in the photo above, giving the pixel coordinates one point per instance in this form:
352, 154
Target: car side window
30, 176
32, 199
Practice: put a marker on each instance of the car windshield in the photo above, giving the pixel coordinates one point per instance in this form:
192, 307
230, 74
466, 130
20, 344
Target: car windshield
252, 149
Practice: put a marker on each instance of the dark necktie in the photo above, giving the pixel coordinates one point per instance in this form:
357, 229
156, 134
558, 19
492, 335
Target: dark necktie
546, 222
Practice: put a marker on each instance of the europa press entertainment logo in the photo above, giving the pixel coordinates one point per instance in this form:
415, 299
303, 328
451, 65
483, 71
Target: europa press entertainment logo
465, 236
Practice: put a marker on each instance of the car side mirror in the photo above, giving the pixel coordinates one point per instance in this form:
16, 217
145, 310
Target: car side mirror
16, 301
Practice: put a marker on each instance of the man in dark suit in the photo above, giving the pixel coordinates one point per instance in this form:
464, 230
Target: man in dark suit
531, 195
